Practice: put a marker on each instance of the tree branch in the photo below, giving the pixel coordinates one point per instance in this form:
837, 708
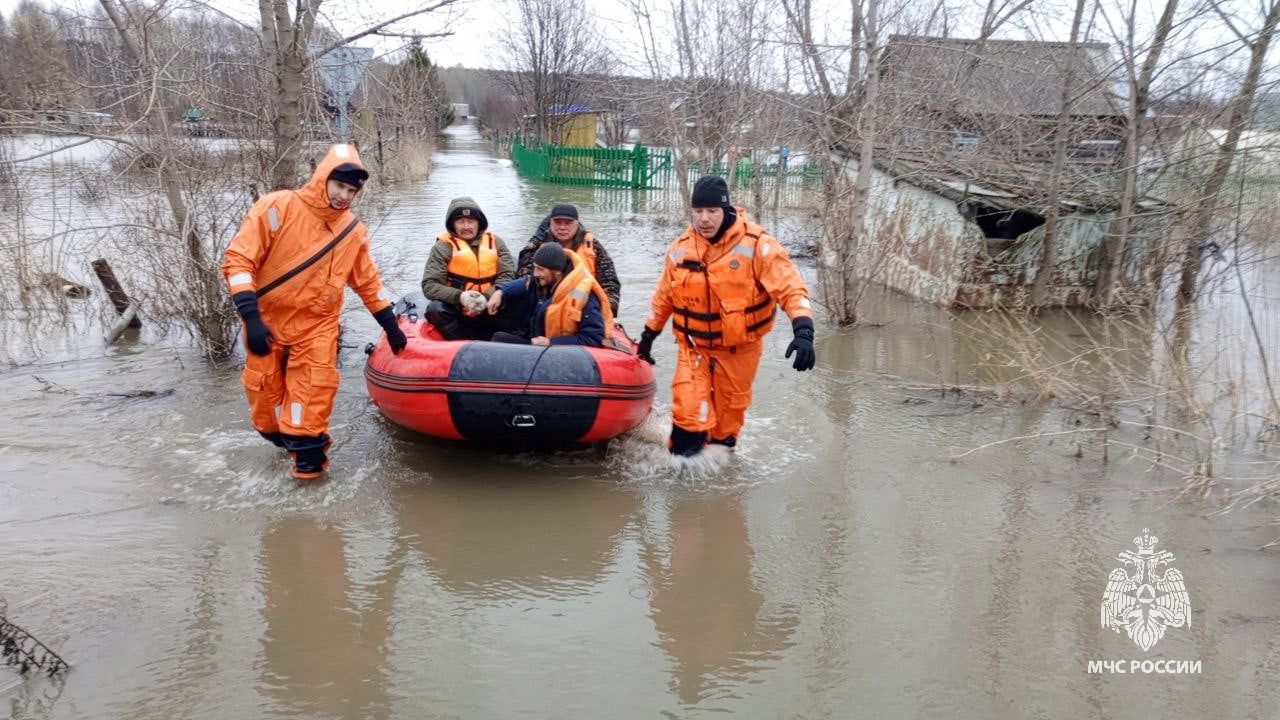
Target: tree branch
374, 30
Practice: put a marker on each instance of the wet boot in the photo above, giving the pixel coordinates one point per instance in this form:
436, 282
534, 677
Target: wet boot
730, 442
309, 459
685, 443
445, 319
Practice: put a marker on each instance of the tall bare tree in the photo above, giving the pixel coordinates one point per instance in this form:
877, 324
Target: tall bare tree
1204, 215
39, 75
555, 45
1048, 248
1139, 103
287, 31
847, 121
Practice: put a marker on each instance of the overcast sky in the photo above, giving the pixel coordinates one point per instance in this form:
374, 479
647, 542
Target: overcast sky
480, 27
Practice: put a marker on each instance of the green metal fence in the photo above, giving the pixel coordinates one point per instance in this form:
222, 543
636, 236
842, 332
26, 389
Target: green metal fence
638, 167
746, 170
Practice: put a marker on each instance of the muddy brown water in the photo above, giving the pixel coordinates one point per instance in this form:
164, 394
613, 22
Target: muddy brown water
838, 565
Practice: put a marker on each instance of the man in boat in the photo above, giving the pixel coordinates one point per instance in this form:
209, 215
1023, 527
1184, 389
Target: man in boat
722, 280
465, 266
285, 270
562, 225
559, 304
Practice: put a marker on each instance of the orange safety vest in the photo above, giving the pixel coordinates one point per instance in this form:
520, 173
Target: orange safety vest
564, 312
468, 269
720, 303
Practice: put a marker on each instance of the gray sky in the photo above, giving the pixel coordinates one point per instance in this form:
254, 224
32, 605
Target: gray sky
480, 27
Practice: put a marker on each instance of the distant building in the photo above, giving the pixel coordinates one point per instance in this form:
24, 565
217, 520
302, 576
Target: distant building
962, 160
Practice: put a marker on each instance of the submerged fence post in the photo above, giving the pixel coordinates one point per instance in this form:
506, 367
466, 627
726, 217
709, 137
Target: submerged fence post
115, 293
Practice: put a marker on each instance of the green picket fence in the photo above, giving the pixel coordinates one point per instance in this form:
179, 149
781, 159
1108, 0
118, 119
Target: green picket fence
636, 168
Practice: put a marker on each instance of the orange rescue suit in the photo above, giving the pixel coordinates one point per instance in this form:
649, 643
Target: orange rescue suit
472, 269
721, 300
564, 312
291, 389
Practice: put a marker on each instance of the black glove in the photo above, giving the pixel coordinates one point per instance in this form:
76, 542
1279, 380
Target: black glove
386, 317
802, 344
256, 335
646, 344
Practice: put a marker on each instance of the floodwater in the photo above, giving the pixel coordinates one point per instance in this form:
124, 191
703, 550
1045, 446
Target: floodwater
840, 564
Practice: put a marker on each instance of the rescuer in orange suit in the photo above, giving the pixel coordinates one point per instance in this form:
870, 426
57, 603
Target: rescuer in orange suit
721, 280
286, 268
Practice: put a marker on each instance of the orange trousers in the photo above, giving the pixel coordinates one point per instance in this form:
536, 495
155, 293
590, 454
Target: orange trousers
291, 389
711, 389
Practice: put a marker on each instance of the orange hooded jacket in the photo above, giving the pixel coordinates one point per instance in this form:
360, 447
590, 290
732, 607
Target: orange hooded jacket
285, 228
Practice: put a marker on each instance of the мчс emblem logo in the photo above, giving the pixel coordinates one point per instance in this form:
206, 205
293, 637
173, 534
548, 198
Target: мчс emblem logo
1145, 602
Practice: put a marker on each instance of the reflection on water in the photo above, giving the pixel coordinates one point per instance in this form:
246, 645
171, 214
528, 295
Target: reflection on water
518, 538
709, 615
324, 654
838, 563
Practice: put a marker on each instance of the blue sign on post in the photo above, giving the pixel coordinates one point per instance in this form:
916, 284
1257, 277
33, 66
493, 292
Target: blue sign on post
784, 153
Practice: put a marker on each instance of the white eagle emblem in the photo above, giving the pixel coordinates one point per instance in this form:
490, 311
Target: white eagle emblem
1145, 603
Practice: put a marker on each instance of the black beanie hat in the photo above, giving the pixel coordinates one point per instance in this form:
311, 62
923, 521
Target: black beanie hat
710, 191
351, 174
552, 257
564, 210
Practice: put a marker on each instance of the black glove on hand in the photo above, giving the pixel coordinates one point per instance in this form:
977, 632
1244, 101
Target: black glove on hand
646, 345
802, 344
386, 317
256, 335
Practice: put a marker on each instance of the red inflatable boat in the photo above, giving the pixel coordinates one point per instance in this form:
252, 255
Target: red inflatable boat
522, 395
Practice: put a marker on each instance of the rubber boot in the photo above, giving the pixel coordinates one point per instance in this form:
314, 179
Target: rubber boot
309, 459
730, 442
685, 443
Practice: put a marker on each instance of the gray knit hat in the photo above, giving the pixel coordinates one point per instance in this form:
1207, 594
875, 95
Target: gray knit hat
552, 257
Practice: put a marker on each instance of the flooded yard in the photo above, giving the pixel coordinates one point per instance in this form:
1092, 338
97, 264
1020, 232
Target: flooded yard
852, 559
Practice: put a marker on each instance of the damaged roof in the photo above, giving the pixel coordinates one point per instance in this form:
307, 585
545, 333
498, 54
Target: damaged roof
1001, 77
997, 185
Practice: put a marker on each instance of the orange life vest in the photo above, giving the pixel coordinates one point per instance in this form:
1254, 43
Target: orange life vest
471, 269
718, 302
564, 312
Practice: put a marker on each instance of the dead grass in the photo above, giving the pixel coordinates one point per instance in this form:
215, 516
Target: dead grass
407, 160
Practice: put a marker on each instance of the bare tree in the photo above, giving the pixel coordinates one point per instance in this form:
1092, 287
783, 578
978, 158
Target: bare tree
1139, 104
848, 124
287, 36
38, 76
1203, 218
1048, 247
556, 45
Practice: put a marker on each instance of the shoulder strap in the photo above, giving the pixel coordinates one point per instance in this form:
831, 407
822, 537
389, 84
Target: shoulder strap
309, 261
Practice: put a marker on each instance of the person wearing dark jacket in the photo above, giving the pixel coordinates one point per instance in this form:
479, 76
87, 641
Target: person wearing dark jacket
559, 304
466, 263
563, 226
